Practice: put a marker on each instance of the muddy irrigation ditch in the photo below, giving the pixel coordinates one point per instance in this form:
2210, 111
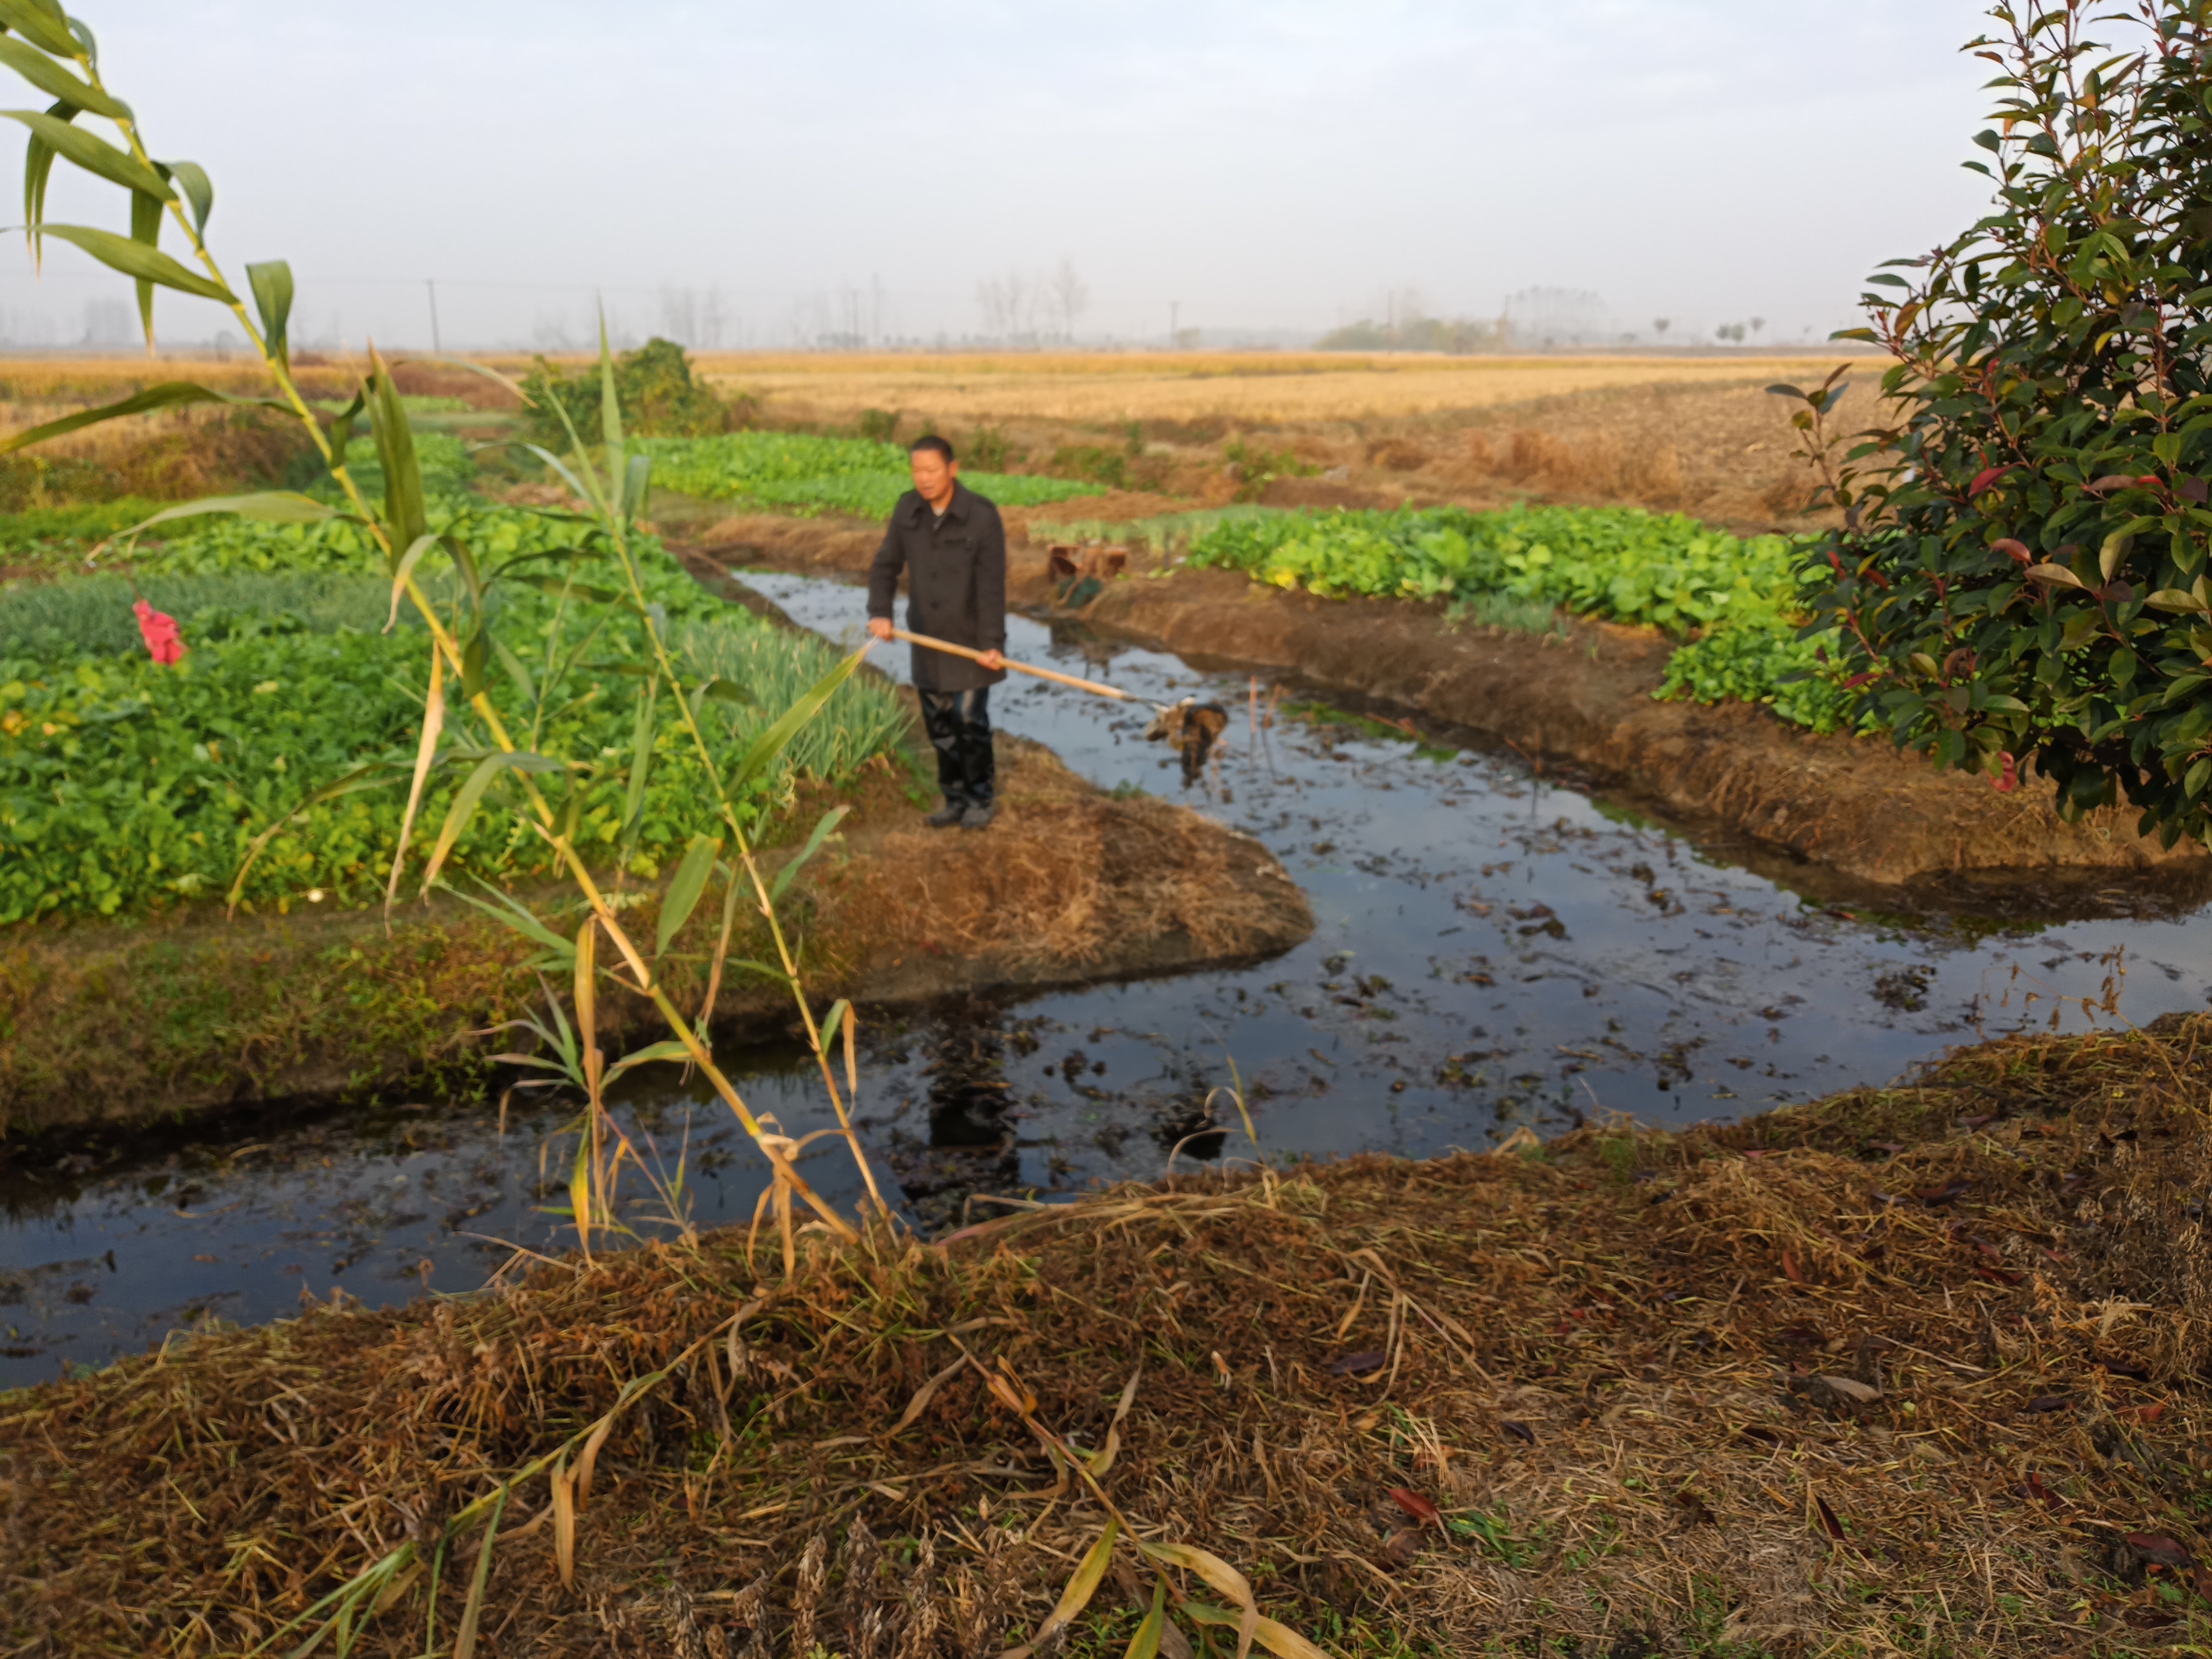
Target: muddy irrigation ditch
1493, 948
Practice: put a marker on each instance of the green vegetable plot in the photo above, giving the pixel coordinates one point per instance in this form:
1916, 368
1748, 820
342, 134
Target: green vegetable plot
125, 785
1739, 599
794, 472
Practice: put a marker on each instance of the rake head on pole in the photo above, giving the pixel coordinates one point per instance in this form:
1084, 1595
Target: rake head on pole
1189, 725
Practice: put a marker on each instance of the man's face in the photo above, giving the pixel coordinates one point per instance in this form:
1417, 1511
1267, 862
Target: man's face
932, 474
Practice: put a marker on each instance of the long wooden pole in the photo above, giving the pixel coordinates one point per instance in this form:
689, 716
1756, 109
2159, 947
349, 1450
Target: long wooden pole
1115, 692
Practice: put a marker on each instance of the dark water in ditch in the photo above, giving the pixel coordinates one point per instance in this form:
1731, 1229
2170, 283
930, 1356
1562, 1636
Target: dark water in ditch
1493, 949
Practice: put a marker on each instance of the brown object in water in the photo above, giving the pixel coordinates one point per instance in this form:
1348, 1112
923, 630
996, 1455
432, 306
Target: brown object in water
1069, 563
1190, 727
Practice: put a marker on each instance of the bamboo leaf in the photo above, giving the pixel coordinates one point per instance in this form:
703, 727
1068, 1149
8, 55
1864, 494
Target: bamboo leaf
56, 80
37, 171
465, 1639
720, 690
405, 569
641, 756
466, 798
511, 911
267, 506
1077, 1596
589, 1460
685, 890
669, 1049
475, 650
564, 1523
95, 155
588, 1002
198, 188
610, 422
404, 508
1212, 1568
426, 755
515, 669
457, 548
340, 432
829, 822
852, 1053
574, 484
771, 743
146, 230
42, 25
121, 253
271, 282
169, 394
925, 1392
1103, 1459
562, 588
1278, 1639
374, 776
1145, 1643
579, 1192
489, 374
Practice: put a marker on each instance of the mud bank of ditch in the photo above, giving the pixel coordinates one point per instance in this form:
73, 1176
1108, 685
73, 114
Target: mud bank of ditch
1887, 824
127, 1023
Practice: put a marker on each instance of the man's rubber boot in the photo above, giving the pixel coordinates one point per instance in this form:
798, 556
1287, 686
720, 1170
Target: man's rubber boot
978, 818
952, 812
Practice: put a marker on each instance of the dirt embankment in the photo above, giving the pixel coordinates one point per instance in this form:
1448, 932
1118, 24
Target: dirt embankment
131, 1021
1861, 817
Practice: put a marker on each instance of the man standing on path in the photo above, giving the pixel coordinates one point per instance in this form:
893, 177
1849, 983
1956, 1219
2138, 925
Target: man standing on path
949, 543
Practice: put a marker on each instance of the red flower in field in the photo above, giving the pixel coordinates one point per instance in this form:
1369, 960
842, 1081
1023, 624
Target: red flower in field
163, 643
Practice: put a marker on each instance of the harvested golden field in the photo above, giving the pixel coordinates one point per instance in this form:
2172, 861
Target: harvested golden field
1266, 387
1696, 434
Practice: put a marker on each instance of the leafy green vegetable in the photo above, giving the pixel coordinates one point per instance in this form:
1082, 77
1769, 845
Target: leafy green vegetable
1740, 598
800, 473
124, 785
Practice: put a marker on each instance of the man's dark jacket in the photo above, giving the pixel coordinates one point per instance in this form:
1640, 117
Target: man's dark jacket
955, 571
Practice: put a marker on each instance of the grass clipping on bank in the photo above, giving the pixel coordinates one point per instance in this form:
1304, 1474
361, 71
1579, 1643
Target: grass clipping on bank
1912, 1369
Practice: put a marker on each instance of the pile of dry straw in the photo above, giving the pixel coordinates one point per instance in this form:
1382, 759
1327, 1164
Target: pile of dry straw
1916, 1369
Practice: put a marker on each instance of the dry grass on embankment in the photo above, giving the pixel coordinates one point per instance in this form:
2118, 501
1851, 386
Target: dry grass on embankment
128, 1022
1915, 1370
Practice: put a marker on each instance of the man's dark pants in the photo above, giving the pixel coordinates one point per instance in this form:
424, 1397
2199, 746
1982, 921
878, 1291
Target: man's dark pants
959, 727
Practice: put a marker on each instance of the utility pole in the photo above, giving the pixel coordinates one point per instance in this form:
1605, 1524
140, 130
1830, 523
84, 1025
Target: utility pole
1175, 309
431, 282
876, 326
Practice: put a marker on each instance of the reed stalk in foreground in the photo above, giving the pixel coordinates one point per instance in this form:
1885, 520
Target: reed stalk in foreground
544, 792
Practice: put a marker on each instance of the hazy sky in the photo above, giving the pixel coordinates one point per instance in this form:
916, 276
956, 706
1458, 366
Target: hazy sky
1279, 165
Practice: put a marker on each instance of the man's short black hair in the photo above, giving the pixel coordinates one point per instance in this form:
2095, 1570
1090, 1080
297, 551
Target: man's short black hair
931, 443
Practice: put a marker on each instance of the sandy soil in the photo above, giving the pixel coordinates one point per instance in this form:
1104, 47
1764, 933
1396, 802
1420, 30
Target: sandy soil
1851, 813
